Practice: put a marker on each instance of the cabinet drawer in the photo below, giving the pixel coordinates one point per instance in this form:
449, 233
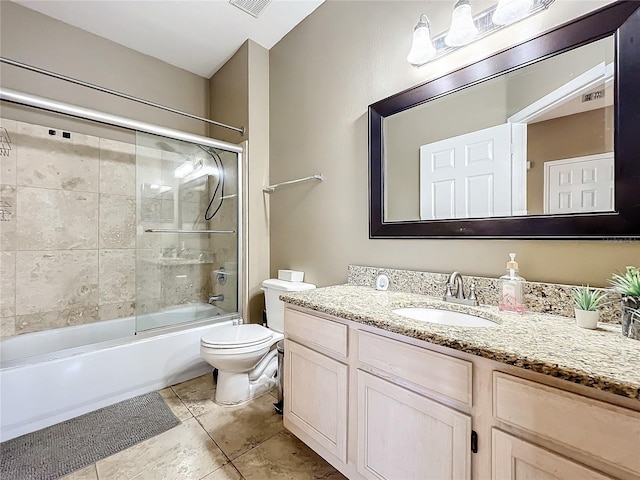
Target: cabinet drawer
515, 459
447, 376
316, 331
606, 432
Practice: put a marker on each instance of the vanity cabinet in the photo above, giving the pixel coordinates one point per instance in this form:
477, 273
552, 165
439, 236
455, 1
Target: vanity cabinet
394, 431
316, 383
377, 405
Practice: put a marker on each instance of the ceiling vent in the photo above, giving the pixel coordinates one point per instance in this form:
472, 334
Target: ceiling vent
590, 97
252, 7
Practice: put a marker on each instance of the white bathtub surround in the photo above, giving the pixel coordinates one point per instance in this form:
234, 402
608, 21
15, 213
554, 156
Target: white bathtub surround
65, 379
52, 344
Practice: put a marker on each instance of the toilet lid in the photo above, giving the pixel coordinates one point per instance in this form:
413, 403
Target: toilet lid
230, 336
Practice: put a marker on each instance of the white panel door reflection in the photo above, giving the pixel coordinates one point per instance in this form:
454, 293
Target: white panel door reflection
581, 184
468, 176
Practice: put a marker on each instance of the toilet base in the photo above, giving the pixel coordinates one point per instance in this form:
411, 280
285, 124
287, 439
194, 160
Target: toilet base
238, 388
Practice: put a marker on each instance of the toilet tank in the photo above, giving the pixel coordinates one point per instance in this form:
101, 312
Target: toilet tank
273, 288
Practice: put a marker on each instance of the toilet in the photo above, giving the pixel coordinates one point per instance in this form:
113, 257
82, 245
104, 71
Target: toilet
246, 363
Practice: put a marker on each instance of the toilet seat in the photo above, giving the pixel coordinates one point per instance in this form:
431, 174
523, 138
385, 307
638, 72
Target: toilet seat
237, 336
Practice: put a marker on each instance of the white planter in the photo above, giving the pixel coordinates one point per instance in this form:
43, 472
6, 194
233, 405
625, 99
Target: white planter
586, 318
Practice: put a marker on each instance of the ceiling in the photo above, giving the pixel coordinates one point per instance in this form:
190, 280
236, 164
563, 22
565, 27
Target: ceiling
196, 35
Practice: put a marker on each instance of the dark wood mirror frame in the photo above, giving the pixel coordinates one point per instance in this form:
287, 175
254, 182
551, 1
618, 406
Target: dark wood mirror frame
621, 19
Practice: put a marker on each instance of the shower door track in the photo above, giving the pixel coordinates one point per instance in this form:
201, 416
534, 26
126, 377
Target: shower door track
93, 86
29, 100
179, 230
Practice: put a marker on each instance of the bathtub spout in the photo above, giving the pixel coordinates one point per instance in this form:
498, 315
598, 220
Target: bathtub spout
216, 298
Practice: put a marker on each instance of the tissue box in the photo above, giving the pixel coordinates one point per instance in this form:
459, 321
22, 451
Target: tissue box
291, 275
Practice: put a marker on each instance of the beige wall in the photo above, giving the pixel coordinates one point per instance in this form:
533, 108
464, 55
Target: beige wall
533, 82
323, 76
257, 177
578, 135
240, 97
35, 39
228, 98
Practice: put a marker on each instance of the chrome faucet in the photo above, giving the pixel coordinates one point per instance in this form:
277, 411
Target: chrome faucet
216, 298
455, 291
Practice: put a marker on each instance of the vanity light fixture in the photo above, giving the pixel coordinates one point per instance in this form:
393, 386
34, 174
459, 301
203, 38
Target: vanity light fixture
422, 49
466, 28
510, 11
462, 30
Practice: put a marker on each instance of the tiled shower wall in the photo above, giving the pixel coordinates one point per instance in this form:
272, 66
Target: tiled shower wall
67, 229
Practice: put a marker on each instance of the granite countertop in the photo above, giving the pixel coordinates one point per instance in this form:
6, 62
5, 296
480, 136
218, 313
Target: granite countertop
548, 344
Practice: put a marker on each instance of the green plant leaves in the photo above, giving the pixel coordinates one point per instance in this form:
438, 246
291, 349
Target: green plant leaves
627, 283
585, 298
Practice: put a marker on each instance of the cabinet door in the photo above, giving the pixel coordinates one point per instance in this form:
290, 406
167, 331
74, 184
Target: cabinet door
315, 397
569, 420
403, 435
515, 459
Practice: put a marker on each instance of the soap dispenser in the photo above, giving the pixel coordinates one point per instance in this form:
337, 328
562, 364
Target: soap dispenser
511, 296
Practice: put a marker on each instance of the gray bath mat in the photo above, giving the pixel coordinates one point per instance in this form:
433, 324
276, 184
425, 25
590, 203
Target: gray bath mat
71, 445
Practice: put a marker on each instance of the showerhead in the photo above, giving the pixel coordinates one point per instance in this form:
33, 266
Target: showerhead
189, 166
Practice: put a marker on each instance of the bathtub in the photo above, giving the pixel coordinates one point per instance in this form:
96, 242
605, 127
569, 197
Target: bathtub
49, 377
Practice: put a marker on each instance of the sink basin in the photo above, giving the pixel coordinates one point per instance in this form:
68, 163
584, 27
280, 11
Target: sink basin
444, 317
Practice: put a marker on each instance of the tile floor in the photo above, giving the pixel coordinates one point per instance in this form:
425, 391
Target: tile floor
214, 443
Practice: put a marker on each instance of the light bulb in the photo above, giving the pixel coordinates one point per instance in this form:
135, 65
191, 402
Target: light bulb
422, 49
462, 30
509, 11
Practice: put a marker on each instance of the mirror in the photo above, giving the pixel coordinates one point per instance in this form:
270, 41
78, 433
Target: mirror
513, 145
518, 145
194, 196
156, 203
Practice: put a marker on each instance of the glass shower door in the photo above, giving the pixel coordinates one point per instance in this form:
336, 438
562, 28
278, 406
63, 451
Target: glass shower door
187, 232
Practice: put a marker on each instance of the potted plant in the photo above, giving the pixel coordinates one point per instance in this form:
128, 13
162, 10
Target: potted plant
634, 327
627, 284
587, 301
